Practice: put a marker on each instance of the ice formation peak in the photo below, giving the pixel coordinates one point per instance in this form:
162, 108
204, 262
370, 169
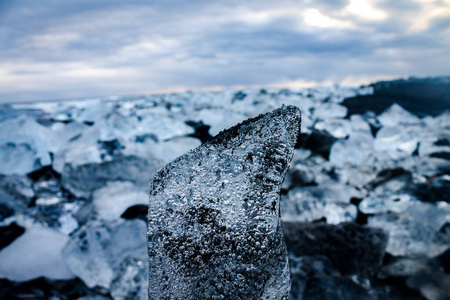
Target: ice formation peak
214, 230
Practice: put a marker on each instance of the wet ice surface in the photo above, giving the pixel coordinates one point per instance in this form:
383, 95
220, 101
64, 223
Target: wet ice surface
35, 253
96, 251
214, 230
76, 167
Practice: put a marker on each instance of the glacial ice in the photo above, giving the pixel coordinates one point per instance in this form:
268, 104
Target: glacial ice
397, 115
397, 141
22, 154
312, 203
430, 214
113, 199
96, 251
80, 150
131, 280
328, 110
410, 237
169, 150
382, 204
116, 126
84, 179
354, 150
162, 123
34, 254
16, 191
214, 230
219, 119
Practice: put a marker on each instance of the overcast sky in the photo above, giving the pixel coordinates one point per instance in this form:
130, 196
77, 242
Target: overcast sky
53, 49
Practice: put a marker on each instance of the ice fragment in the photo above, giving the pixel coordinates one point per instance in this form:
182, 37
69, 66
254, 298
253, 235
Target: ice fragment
214, 230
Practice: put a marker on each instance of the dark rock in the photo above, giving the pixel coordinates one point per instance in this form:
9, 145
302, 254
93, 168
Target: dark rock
42, 289
443, 154
343, 288
350, 247
300, 175
420, 96
388, 174
361, 218
5, 211
434, 190
89, 123
111, 147
305, 267
319, 142
201, 130
442, 142
445, 229
9, 233
418, 275
214, 230
59, 121
334, 288
444, 261
375, 125
314, 277
238, 96
416, 151
432, 285
136, 212
142, 138
44, 174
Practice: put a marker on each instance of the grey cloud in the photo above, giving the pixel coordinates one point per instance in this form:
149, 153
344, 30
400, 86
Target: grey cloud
198, 43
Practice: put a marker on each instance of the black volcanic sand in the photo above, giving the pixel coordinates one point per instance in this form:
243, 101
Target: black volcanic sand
425, 96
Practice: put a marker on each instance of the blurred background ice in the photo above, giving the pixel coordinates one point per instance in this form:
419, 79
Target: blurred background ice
75, 182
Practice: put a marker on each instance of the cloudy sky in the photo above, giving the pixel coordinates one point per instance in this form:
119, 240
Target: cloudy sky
53, 49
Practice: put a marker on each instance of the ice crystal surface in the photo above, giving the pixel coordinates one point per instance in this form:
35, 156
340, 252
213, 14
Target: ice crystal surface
96, 252
214, 230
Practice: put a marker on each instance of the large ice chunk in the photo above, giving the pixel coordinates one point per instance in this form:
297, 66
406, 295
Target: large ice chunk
354, 150
22, 154
410, 237
313, 203
131, 280
34, 254
96, 251
214, 230
163, 124
169, 150
397, 115
84, 179
330, 110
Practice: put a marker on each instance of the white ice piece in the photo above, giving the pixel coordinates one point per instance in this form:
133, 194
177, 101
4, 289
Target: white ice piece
113, 199
34, 254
